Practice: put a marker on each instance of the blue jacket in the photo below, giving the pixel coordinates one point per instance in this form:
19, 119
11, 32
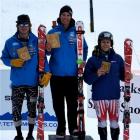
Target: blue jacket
28, 74
105, 87
63, 60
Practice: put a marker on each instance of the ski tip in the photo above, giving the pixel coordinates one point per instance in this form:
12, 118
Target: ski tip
53, 23
128, 42
128, 39
79, 23
41, 26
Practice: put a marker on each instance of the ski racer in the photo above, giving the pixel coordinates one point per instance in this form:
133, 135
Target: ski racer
21, 54
63, 66
103, 71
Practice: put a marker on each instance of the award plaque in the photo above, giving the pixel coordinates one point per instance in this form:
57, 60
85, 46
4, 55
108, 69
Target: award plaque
106, 66
23, 53
53, 40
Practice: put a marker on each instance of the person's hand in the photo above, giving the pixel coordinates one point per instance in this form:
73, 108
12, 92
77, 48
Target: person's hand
17, 62
129, 76
48, 47
45, 79
101, 71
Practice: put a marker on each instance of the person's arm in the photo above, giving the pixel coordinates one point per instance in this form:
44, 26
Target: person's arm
129, 76
48, 49
5, 57
8, 61
90, 72
47, 75
85, 50
122, 70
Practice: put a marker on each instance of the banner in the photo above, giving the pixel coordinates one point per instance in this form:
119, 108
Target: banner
6, 107
134, 101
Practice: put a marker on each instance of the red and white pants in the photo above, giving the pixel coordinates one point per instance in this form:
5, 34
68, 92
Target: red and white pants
110, 108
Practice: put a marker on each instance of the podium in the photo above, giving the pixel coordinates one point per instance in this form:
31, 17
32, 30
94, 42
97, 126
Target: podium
68, 137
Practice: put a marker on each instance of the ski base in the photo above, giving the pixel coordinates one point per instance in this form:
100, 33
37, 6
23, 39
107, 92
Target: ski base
68, 137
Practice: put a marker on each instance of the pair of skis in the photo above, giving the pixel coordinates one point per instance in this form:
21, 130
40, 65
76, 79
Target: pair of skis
128, 60
40, 105
80, 117
41, 57
127, 95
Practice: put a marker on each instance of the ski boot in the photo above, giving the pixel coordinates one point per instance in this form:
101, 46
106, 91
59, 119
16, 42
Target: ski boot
18, 138
115, 133
30, 138
103, 133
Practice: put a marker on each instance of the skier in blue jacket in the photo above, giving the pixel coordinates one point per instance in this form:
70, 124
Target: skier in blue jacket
63, 66
21, 54
103, 71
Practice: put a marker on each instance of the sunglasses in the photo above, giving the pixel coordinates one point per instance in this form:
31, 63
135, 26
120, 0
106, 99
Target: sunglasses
24, 25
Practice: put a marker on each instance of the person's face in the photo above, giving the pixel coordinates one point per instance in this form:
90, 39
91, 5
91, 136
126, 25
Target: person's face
65, 19
105, 45
23, 28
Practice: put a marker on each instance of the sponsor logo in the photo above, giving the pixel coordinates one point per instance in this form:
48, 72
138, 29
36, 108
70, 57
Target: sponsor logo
47, 124
133, 89
133, 110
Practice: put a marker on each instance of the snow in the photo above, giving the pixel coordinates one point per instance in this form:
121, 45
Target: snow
122, 18
91, 128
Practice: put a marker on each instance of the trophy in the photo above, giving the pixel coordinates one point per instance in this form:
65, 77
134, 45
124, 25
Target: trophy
106, 66
23, 53
53, 40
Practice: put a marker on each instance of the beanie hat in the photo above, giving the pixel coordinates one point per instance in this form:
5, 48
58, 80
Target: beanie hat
22, 19
65, 8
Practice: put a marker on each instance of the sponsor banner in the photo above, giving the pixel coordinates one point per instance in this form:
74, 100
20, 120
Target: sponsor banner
9, 125
134, 101
5, 106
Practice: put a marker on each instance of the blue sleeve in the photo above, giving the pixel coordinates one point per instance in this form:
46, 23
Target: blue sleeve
5, 55
122, 70
85, 50
48, 52
90, 75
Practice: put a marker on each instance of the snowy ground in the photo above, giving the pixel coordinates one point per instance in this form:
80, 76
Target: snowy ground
122, 18
91, 129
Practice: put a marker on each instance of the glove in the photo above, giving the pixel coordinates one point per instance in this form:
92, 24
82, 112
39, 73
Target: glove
129, 76
45, 79
17, 62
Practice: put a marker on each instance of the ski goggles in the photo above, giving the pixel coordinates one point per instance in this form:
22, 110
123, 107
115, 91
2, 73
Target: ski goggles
24, 25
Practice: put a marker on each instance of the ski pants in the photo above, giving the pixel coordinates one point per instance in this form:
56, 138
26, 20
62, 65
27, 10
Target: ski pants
65, 89
18, 96
110, 107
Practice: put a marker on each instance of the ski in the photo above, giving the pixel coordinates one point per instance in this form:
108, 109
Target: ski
40, 104
80, 116
127, 94
54, 24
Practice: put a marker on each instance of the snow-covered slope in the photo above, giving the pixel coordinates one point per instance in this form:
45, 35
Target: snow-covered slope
121, 17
